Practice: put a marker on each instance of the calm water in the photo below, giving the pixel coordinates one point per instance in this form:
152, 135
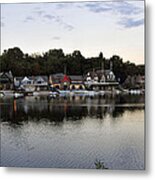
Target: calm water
73, 132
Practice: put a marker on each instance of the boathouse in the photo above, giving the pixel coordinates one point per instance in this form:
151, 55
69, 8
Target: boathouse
6, 80
60, 81
101, 80
77, 82
55, 80
40, 83
65, 82
35, 83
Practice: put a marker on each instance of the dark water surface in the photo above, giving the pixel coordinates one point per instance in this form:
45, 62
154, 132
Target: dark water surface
73, 132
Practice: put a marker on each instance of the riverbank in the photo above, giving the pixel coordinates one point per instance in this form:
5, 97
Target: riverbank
13, 93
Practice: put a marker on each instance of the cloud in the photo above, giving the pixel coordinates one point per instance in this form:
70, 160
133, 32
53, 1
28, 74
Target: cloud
37, 8
39, 12
126, 8
123, 8
97, 7
124, 13
130, 23
28, 19
59, 20
49, 17
56, 38
68, 27
64, 5
128, 14
54, 18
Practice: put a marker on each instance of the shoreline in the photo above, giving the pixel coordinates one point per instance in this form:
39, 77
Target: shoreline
16, 94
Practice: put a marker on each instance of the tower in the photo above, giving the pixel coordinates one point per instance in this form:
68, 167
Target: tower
111, 65
102, 66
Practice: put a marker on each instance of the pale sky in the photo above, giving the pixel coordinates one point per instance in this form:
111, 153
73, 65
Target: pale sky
115, 27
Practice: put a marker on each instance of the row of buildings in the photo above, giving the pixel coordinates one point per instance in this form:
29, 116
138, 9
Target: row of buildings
94, 80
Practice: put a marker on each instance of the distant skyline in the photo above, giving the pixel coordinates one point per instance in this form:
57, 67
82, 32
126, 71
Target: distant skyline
111, 27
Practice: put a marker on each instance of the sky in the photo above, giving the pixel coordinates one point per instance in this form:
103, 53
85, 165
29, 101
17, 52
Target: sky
111, 27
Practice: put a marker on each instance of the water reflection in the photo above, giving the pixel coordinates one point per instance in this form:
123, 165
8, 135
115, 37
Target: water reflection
71, 108
73, 132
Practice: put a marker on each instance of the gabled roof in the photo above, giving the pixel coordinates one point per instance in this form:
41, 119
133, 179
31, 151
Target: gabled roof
65, 79
41, 78
25, 79
18, 78
34, 78
6, 76
56, 78
57, 75
106, 71
76, 77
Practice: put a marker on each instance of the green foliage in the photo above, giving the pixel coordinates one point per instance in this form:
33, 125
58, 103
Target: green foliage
55, 60
100, 165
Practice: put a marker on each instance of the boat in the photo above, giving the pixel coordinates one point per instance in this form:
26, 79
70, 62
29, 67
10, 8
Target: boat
79, 92
29, 89
7, 93
35, 93
18, 95
54, 94
136, 91
2, 94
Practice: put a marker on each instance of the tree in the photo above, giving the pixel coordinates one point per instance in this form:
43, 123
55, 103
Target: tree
54, 61
78, 62
11, 59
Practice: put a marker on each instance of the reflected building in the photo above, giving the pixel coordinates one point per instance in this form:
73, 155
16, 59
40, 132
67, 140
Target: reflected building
70, 109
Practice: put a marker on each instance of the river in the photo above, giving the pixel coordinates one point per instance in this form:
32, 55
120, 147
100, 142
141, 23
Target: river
73, 132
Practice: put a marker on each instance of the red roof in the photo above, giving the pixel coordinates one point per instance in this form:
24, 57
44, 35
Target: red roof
65, 79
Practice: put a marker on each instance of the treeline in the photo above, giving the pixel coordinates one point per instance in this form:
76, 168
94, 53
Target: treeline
55, 60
